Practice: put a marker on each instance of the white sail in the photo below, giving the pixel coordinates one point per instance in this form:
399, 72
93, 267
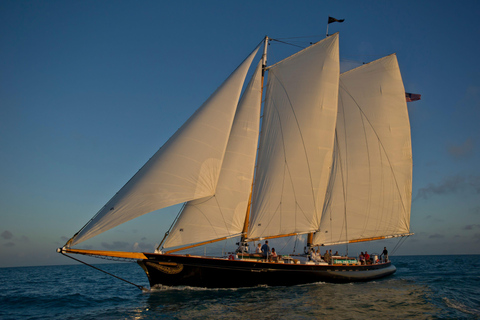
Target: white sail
296, 142
186, 167
223, 214
372, 176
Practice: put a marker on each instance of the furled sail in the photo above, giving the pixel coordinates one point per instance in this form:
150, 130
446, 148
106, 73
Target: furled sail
370, 194
296, 142
223, 214
186, 167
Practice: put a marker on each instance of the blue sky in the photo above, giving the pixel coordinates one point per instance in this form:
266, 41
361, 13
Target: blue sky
90, 90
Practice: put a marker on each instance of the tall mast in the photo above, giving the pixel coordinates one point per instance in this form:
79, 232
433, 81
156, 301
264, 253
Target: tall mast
243, 243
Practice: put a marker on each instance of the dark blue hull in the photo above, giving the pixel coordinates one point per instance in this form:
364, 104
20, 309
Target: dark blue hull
194, 271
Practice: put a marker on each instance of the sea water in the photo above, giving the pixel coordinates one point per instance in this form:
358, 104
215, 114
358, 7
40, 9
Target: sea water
424, 287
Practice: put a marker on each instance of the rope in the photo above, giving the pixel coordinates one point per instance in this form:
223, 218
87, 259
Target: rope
136, 285
291, 44
399, 244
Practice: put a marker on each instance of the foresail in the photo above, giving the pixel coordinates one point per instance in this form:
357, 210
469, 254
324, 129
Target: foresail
186, 167
223, 214
370, 194
296, 142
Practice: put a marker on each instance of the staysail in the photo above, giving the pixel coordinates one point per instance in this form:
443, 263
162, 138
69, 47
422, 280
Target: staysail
185, 168
223, 214
370, 191
296, 142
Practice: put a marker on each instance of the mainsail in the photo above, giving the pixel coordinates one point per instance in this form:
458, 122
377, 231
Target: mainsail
185, 168
370, 191
223, 214
296, 142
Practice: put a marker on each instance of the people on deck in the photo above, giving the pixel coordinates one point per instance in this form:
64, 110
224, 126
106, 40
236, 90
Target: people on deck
313, 255
259, 248
361, 258
385, 254
367, 257
273, 255
327, 257
265, 250
336, 253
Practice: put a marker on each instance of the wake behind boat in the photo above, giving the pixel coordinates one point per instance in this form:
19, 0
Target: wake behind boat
334, 162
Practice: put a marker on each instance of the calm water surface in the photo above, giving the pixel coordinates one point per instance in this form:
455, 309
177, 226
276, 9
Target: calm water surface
428, 287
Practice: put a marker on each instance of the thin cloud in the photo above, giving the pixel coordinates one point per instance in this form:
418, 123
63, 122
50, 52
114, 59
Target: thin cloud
117, 245
461, 151
142, 246
436, 236
6, 235
471, 226
454, 184
433, 218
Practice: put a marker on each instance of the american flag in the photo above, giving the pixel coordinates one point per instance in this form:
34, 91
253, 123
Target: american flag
412, 96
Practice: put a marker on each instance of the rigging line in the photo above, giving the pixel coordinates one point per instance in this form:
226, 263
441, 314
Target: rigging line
171, 226
291, 44
314, 36
286, 244
136, 285
399, 244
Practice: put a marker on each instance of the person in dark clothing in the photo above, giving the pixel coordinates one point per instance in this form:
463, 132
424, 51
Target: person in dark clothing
265, 250
385, 254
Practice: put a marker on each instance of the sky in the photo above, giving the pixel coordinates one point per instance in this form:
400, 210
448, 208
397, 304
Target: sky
89, 90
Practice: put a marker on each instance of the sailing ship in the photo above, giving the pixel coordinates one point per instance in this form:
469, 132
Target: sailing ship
329, 158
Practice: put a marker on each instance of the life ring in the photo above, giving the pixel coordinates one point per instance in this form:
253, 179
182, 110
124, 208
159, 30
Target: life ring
231, 257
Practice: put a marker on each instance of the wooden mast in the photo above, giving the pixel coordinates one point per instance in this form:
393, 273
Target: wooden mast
247, 216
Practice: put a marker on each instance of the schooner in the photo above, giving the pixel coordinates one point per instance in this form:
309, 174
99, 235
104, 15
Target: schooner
330, 158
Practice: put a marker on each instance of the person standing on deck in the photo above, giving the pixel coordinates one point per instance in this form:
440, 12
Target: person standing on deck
385, 254
265, 250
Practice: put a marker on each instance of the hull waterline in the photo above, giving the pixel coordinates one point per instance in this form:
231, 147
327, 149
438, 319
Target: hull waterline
176, 270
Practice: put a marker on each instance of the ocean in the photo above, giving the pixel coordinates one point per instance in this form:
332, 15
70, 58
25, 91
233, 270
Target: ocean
424, 287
